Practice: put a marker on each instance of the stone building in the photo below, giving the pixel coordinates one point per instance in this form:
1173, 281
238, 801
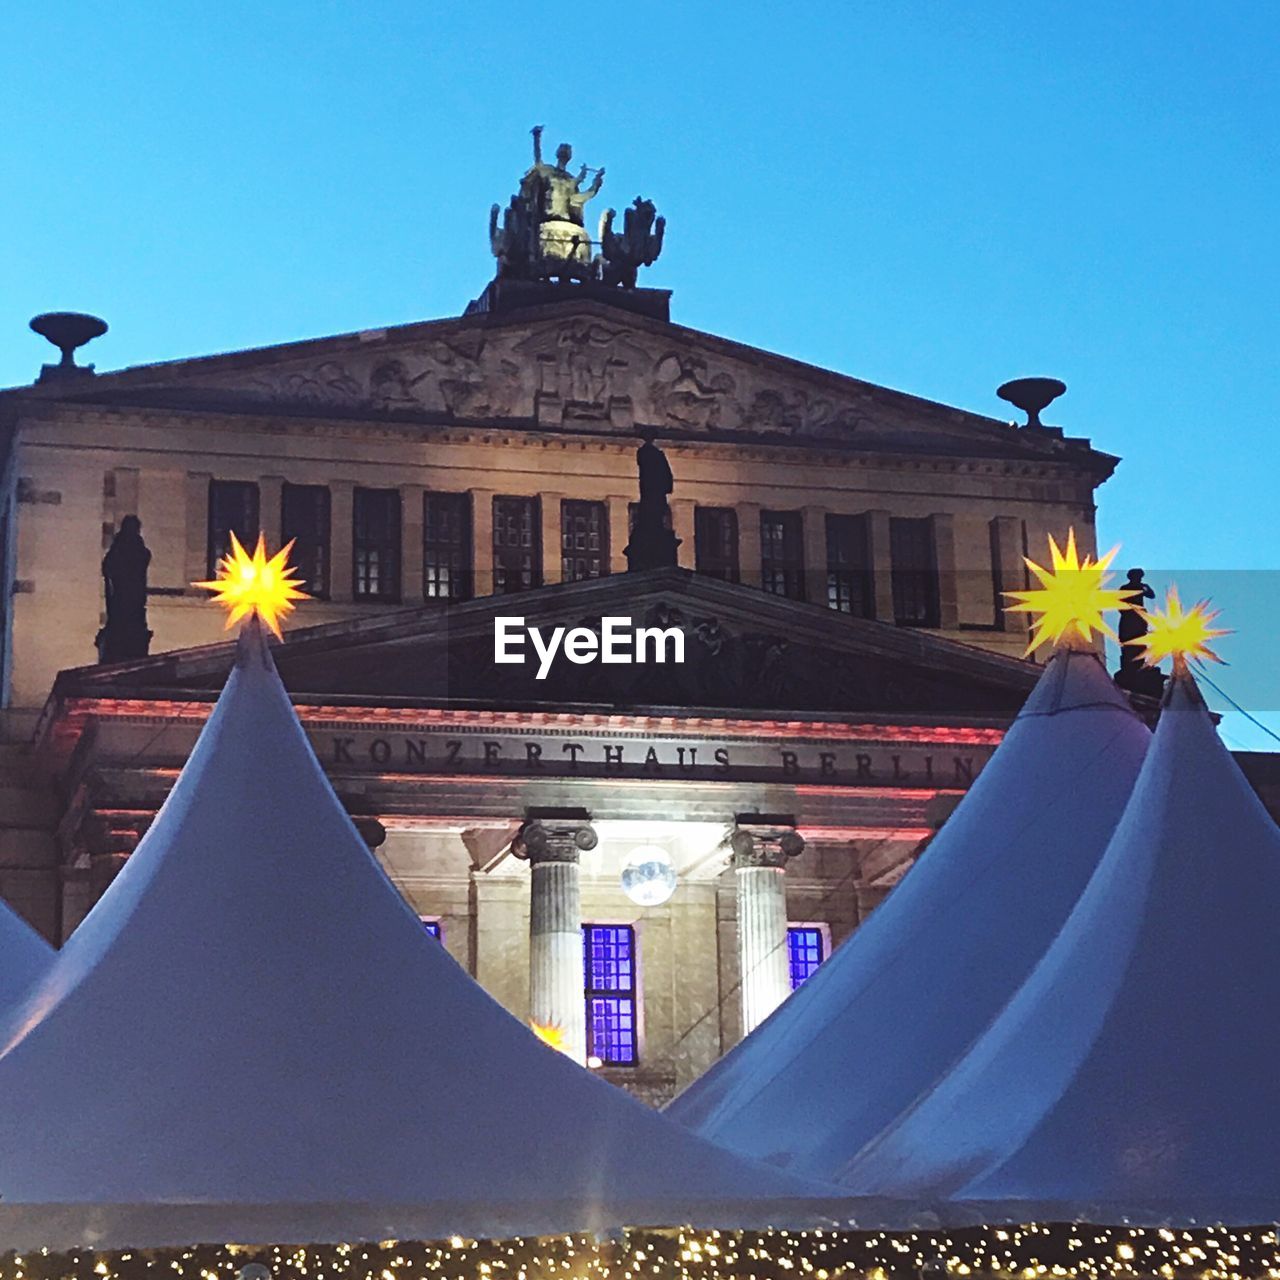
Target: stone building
847, 669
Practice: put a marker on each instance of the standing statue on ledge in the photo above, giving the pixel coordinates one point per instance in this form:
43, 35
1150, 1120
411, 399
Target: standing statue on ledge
1134, 675
124, 577
542, 235
653, 541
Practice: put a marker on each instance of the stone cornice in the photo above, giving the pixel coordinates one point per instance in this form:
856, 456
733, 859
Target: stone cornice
527, 435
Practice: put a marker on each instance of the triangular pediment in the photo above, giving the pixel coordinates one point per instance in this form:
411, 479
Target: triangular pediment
579, 366
744, 651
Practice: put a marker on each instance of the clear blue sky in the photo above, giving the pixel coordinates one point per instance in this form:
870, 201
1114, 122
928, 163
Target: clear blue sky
931, 196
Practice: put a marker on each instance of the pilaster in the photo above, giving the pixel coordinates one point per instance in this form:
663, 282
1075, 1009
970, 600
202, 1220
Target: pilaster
881, 557
551, 548
341, 503
411, 543
944, 552
749, 567
482, 540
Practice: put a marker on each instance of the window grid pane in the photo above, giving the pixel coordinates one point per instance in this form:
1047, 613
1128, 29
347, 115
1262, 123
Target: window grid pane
782, 553
375, 544
850, 584
584, 540
233, 508
304, 518
715, 542
915, 573
804, 953
446, 546
517, 551
609, 967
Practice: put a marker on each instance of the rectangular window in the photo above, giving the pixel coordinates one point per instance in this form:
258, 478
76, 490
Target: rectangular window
375, 545
610, 967
850, 585
304, 517
915, 572
431, 925
715, 542
233, 508
517, 545
446, 546
806, 950
584, 540
782, 553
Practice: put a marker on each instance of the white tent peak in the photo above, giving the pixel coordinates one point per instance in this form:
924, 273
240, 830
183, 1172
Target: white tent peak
251, 1037
1133, 1076
24, 955
901, 1000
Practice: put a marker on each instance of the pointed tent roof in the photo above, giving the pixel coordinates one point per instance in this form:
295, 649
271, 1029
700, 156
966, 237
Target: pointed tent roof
1133, 1078
252, 1038
899, 1003
24, 955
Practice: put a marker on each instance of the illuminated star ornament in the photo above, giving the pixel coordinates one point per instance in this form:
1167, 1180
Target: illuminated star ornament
1179, 633
1071, 598
248, 584
551, 1034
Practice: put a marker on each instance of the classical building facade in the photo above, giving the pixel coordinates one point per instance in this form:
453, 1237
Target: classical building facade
847, 668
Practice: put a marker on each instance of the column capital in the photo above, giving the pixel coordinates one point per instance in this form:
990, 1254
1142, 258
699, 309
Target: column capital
764, 845
542, 840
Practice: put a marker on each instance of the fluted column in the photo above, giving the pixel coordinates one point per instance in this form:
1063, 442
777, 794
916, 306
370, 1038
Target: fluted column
557, 1000
760, 856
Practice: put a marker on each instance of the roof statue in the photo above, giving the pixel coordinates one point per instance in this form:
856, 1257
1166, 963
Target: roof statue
1132, 1077
252, 1038
542, 233
900, 1002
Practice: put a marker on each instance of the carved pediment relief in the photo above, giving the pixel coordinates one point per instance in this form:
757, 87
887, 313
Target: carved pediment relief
588, 371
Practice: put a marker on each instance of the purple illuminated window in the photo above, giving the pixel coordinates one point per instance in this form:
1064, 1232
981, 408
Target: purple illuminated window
609, 965
804, 952
431, 925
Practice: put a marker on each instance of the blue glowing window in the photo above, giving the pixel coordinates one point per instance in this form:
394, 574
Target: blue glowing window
804, 952
431, 925
609, 966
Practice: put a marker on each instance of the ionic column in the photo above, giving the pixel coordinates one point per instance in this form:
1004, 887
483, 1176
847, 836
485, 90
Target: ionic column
760, 856
556, 990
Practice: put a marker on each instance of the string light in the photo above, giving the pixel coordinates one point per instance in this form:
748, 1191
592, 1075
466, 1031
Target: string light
1027, 1252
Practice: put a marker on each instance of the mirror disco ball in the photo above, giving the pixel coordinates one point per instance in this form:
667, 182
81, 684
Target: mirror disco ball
648, 878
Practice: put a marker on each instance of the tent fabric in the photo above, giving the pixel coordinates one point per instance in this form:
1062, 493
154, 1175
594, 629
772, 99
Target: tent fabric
251, 1038
1134, 1076
24, 955
900, 1002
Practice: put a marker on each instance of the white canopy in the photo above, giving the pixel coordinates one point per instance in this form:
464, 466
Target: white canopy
24, 955
898, 1003
252, 1039
1136, 1075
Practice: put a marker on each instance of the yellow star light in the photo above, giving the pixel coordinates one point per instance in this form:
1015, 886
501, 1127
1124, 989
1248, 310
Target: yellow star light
1071, 598
1178, 633
253, 584
551, 1034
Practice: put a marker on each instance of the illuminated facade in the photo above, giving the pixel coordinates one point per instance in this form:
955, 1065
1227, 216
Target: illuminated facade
848, 669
